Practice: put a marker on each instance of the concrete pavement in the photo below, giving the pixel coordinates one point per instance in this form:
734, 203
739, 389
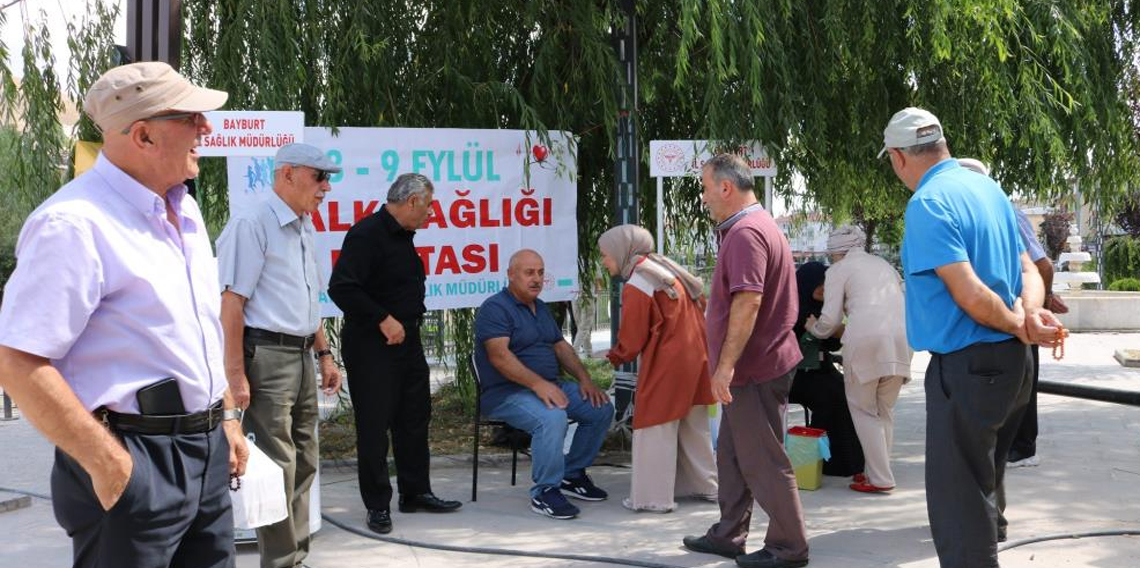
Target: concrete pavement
1088, 480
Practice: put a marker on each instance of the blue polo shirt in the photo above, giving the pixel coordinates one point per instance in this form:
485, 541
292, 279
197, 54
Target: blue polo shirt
532, 335
957, 215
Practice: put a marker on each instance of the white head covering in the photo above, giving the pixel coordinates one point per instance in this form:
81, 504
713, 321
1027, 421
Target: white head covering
845, 238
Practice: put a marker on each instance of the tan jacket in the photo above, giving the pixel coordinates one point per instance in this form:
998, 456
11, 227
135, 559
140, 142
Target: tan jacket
868, 290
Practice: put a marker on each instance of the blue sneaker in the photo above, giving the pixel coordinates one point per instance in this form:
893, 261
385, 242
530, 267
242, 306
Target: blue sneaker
583, 488
553, 504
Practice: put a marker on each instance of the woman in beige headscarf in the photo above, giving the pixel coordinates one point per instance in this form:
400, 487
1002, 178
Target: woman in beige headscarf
876, 356
662, 320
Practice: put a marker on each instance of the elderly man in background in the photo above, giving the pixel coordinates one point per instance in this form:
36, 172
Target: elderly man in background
378, 282
111, 342
1023, 451
866, 291
271, 315
753, 354
973, 299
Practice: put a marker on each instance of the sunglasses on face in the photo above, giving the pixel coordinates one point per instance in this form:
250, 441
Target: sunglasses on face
321, 176
189, 118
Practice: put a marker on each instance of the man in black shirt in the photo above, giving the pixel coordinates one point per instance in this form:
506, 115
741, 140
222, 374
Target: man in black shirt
378, 282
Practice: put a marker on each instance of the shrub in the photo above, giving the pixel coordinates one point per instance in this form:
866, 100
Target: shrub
1121, 258
1125, 285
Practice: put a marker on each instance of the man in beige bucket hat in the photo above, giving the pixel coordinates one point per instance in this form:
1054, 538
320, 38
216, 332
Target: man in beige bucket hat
110, 339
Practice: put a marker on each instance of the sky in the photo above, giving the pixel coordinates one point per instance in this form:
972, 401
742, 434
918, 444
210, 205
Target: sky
59, 12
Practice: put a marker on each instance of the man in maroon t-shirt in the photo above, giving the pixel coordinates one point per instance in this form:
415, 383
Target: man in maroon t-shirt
752, 354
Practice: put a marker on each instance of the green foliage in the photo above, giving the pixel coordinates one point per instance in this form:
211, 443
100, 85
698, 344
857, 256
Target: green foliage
1128, 214
34, 149
1121, 258
1037, 89
1125, 285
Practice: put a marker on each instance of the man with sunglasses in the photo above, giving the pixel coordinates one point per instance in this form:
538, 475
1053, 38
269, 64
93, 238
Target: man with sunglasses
271, 315
110, 338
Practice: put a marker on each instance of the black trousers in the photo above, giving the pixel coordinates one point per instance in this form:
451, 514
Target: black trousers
175, 510
390, 392
1025, 441
822, 392
975, 398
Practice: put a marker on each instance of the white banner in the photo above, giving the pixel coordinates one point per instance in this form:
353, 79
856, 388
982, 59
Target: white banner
485, 209
251, 133
681, 158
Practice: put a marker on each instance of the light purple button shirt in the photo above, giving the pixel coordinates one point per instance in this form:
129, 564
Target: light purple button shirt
108, 290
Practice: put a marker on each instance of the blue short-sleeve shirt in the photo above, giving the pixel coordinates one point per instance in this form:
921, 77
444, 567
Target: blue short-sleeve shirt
957, 215
1028, 238
532, 339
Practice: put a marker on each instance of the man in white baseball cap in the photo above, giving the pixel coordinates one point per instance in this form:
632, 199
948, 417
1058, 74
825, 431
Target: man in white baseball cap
110, 339
911, 127
973, 299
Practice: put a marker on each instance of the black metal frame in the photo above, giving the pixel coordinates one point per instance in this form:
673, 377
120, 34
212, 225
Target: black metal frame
479, 422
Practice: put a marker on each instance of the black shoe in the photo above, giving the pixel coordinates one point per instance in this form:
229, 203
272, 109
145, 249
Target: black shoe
703, 544
764, 559
583, 488
379, 521
427, 502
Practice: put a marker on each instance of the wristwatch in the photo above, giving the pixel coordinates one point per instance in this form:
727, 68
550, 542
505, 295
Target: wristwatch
324, 353
233, 414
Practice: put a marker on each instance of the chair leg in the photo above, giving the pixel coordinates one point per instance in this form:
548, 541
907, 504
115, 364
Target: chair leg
514, 464
475, 464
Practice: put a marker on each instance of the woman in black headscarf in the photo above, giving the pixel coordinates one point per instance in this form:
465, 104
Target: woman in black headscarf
818, 384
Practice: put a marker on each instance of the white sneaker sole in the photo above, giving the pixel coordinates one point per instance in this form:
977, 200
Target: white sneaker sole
546, 513
1032, 461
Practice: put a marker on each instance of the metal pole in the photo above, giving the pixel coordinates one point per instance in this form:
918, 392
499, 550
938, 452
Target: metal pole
154, 30
7, 409
661, 215
626, 174
768, 194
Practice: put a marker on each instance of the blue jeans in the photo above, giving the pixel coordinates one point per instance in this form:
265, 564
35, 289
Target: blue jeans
547, 428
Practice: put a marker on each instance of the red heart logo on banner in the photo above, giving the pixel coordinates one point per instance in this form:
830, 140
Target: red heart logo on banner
540, 152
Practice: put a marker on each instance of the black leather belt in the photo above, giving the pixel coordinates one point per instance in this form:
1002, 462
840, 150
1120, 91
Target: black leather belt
283, 339
196, 423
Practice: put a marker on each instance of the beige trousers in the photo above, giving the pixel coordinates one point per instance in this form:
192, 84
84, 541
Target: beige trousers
872, 406
672, 459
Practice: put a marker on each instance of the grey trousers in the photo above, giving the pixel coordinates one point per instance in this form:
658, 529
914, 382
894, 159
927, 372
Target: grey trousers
752, 465
975, 398
175, 510
282, 416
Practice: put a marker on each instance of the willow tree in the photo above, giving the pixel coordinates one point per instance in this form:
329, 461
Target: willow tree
1037, 88
34, 148
412, 63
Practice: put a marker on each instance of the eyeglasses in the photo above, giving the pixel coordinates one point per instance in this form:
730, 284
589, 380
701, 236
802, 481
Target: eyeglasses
321, 176
194, 119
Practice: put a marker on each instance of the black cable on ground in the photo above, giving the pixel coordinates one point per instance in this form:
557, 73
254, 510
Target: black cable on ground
1048, 537
27, 493
494, 551
605, 559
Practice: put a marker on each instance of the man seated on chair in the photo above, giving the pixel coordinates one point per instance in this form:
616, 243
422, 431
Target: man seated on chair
519, 354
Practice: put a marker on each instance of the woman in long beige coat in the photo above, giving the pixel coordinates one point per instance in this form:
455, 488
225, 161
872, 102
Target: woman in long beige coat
876, 357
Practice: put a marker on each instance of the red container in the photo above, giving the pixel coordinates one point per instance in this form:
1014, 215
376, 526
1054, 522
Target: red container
807, 432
